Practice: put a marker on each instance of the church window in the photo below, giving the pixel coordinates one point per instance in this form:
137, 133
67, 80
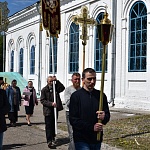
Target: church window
98, 54
12, 61
55, 57
74, 48
21, 61
32, 60
138, 38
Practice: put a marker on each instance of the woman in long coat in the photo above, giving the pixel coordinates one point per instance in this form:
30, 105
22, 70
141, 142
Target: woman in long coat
29, 100
14, 98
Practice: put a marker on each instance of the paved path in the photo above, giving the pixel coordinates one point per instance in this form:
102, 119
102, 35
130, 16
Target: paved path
23, 137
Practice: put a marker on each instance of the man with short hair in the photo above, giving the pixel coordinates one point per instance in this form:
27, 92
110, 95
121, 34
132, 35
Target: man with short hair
47, 100
84, 113
68, 91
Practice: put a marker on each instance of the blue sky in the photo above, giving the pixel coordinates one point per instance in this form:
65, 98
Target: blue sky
17, 5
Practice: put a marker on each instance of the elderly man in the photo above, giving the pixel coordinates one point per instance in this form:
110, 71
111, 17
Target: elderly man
47, 99
68, 91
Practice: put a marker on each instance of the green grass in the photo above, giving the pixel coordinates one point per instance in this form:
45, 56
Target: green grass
129, 134
63, 126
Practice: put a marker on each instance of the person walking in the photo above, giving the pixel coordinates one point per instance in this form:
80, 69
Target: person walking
14, 98
47, 100
30, 99
84, 113
67, 94
4, 109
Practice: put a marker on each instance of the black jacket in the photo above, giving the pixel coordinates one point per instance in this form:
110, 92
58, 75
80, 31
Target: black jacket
82, 115
47, 98
4, 109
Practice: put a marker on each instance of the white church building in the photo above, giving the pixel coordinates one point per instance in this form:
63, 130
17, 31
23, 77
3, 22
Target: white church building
127, 77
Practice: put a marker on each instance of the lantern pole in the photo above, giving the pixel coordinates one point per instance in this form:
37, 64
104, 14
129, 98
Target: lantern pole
104, 31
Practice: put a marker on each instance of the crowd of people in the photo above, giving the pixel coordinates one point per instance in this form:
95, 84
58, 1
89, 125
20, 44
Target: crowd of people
81, 105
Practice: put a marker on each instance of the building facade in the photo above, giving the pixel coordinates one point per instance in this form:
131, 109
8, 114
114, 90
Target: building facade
28, 50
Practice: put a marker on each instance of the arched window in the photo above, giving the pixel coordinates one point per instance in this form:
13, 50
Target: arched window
98, 54
138, 38
55, 57
21, 61
12, 61
32, 60
74, 48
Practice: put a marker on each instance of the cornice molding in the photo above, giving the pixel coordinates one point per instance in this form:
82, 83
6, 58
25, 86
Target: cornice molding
63, 2
23, 15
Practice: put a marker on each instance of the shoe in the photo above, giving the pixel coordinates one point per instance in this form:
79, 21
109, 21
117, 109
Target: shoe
29, 124
49, 144
54, 142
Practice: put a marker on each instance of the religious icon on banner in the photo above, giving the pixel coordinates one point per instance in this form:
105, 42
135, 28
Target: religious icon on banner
52, 5
51, 16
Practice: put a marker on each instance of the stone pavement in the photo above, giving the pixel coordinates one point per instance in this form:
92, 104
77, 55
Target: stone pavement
24, 137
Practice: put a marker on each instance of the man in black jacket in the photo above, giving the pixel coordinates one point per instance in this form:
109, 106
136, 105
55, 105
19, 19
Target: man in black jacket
47, 99
4, 109
84, 114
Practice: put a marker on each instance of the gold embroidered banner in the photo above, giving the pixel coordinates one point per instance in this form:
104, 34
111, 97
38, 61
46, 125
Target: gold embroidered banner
51, 16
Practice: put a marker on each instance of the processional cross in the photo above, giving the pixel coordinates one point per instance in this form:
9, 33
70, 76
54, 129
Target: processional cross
85, 21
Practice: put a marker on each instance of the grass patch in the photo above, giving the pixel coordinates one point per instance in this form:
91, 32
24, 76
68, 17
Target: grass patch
63, 126
131, 133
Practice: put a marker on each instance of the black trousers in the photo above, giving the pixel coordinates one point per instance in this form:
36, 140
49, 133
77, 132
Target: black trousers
50, 127
13, 116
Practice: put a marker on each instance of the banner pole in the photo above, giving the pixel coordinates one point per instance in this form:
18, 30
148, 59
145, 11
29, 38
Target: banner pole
54, 90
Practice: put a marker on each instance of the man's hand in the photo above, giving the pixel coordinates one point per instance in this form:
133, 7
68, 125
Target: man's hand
54, 78
54, 104
100, 115
98, 127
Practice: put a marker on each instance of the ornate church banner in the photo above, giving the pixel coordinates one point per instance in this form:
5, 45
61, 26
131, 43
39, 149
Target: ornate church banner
51, 16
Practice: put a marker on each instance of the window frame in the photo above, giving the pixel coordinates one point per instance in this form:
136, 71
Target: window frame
32, 60
137, 54
73, 48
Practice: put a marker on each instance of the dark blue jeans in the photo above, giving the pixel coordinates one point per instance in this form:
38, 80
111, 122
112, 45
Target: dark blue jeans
86, 146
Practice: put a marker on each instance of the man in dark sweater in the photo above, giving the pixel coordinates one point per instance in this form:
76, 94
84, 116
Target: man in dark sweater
84, 114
